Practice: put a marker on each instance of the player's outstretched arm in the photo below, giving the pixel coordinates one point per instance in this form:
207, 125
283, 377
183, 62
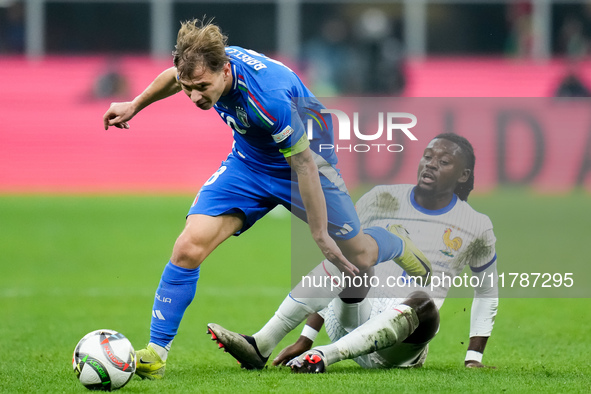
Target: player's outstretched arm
304, 342
313, 197
482, 315
163, 86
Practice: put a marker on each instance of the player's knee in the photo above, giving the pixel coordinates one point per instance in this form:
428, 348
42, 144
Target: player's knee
428, 315
360, 251
188, 252
423, 305
362, 261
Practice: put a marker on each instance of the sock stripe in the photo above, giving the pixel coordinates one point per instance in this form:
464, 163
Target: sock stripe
174, 294
299, 302
411, 325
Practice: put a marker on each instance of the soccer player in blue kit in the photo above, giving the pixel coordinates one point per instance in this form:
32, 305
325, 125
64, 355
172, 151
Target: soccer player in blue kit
272, 162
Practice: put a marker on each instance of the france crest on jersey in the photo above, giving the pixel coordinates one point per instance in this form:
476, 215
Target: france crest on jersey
261, 109
451, 237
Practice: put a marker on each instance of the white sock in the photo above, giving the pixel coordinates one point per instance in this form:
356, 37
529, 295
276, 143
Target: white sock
161, 351
289, 315
295, 309
387, 329
351, 316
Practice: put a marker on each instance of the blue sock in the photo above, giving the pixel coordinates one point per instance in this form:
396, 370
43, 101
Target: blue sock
389, 245
175, 293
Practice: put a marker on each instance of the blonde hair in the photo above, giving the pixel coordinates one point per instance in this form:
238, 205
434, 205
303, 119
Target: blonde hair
199, 44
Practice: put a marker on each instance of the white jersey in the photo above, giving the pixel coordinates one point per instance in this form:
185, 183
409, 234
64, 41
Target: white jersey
451, 237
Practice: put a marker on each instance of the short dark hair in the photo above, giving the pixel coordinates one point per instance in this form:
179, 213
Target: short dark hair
463, 189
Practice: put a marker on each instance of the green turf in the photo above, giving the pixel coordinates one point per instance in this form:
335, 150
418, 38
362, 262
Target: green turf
70, 265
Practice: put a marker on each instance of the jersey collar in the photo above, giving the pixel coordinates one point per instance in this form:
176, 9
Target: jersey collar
431, 212
228, 97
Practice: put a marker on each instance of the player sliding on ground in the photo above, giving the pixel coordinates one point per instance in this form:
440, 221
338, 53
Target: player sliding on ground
388, 328
272, 162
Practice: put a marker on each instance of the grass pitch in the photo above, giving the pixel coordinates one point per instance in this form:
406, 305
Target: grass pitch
71, 265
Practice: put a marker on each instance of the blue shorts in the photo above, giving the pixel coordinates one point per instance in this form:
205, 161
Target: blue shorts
235, 187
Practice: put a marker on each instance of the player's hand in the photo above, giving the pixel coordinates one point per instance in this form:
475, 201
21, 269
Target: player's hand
118, 114
476, 364
302, 345
331, 251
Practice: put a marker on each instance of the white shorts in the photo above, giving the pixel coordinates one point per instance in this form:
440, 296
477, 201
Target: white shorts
341, 318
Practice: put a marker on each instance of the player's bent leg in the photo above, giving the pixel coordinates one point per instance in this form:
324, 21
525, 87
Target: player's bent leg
295, 308
363, 250
376, 244
301, 302
387, 329
412, 352
202, 234
242, 347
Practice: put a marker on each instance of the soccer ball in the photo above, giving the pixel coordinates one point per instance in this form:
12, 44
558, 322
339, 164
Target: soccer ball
104, 360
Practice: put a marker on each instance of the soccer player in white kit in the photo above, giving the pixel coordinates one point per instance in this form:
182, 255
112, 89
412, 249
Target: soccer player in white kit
391, 324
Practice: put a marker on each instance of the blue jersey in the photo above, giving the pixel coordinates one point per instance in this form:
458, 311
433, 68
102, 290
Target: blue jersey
270, 111
264, 112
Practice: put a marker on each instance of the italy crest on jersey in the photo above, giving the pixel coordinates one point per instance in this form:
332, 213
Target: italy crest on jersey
242, 116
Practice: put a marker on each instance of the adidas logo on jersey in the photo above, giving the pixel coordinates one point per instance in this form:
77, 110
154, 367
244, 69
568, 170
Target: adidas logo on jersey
346, 229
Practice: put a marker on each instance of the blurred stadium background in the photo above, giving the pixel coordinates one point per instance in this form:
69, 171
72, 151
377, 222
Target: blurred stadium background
64, 61
88, 216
